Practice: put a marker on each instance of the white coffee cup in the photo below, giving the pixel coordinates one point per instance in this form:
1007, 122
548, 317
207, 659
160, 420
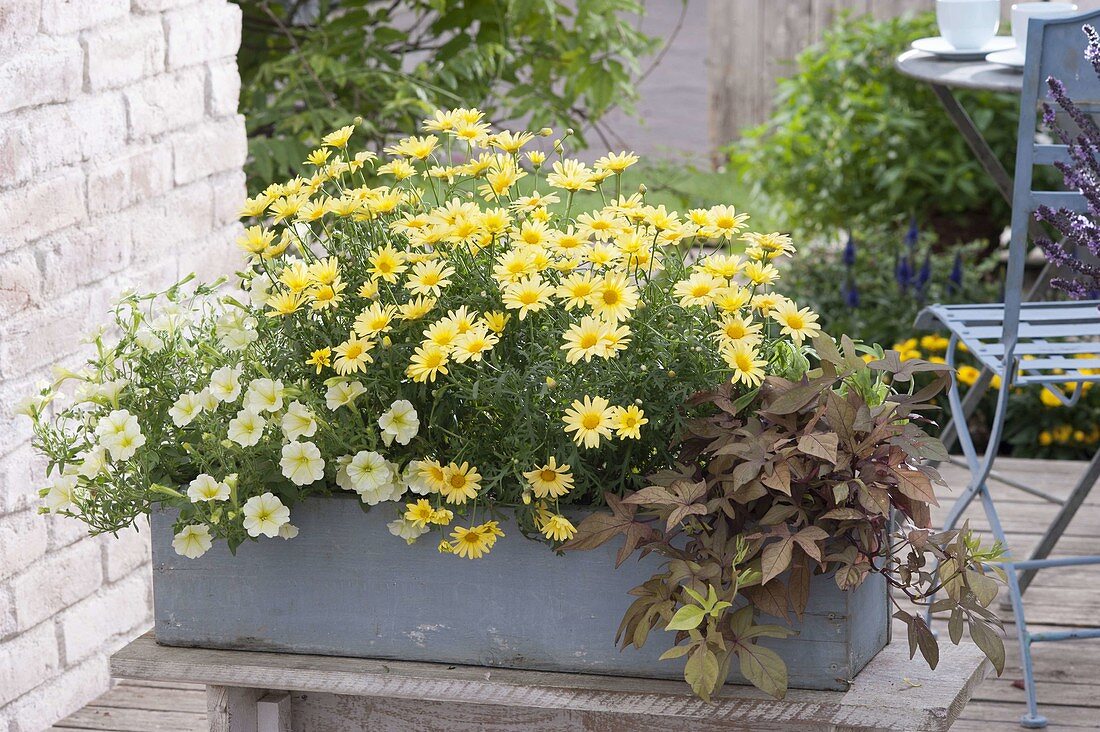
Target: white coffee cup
968, 25
1022, 12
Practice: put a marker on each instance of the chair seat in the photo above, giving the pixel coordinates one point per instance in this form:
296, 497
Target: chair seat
1058, 342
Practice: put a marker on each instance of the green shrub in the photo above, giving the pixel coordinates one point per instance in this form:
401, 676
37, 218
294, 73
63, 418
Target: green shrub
308, 68
852, 143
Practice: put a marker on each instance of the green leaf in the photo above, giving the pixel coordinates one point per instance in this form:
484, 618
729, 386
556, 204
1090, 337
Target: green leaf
701, 672
764, 668
686, 618
676, 652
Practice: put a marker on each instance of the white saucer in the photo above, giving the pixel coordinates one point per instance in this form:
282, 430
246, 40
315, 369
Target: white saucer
1012, 59
938, 46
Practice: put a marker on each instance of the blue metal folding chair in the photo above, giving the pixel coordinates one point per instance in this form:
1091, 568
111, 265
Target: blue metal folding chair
1031, 342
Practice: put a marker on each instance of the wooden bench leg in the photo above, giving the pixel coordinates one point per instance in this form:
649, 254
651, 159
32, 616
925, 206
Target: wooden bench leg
234, 709
273, 712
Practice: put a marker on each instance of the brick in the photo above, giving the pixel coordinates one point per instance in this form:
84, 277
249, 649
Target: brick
203, 32
61, 696
20, 278
128, 551
223, 88
7, 615
16, 164
93, 126
81, 255
212, 256
229, 195
63, 531
67, 16
157, 6
40, 337
61, 579
166, 102
44, 205
122, 181
27, 660
18, 22
163, 225
47, 70
116, 611
22, 541
120, 54
212, 148
22, 472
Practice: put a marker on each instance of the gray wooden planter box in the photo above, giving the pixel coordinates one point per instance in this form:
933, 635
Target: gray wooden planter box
346, 587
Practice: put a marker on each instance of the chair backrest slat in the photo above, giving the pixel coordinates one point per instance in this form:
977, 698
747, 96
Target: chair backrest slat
1056, 48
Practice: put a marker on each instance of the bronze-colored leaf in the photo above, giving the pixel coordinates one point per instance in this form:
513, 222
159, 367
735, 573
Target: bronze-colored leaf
798, 586
820, 445
775, 558
770, 599
915, 485
991, 644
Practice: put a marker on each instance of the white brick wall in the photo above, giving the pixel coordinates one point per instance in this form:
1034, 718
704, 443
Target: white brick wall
120, 164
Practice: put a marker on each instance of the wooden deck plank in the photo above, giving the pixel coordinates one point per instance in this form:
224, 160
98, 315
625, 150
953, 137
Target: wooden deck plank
1069, 690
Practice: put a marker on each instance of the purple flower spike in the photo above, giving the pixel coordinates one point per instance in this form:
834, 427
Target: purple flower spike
850, 251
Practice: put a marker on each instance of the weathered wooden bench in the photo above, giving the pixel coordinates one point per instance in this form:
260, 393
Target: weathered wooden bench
275, 692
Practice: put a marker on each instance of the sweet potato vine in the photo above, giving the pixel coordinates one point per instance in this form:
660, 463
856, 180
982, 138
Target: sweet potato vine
822, 473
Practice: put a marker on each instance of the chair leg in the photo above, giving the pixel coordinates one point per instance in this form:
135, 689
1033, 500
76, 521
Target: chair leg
1065, 515
1031, 719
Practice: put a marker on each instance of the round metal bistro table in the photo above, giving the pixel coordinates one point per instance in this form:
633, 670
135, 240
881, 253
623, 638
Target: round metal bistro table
944, 76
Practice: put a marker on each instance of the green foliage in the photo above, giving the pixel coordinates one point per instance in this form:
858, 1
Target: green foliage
306, 72
802, 480
854, 144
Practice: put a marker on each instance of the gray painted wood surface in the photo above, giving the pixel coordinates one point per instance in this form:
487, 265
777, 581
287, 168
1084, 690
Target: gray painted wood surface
349, 695
346, 587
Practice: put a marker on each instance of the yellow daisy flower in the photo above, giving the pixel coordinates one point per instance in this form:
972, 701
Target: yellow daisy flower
590, 420
460, 483
528, 295
798, 324
352, 356
743, 361
628, 422
550, 480
558, 528
428, 361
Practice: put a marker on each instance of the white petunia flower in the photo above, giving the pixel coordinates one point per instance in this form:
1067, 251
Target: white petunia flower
60, 495
343, 393
236, 330
193, 541
206, 488
369, 471
414, 481
265, 515
120, 433
259, 289
400, 422
207, 400
288, 531
246, 428
225, 383
407, 530
92, 462
109, 391
264, 395
298, 421
147, 340
302, 463
186, 408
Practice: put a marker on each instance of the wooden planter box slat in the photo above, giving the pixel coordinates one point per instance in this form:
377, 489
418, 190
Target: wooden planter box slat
346, 587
